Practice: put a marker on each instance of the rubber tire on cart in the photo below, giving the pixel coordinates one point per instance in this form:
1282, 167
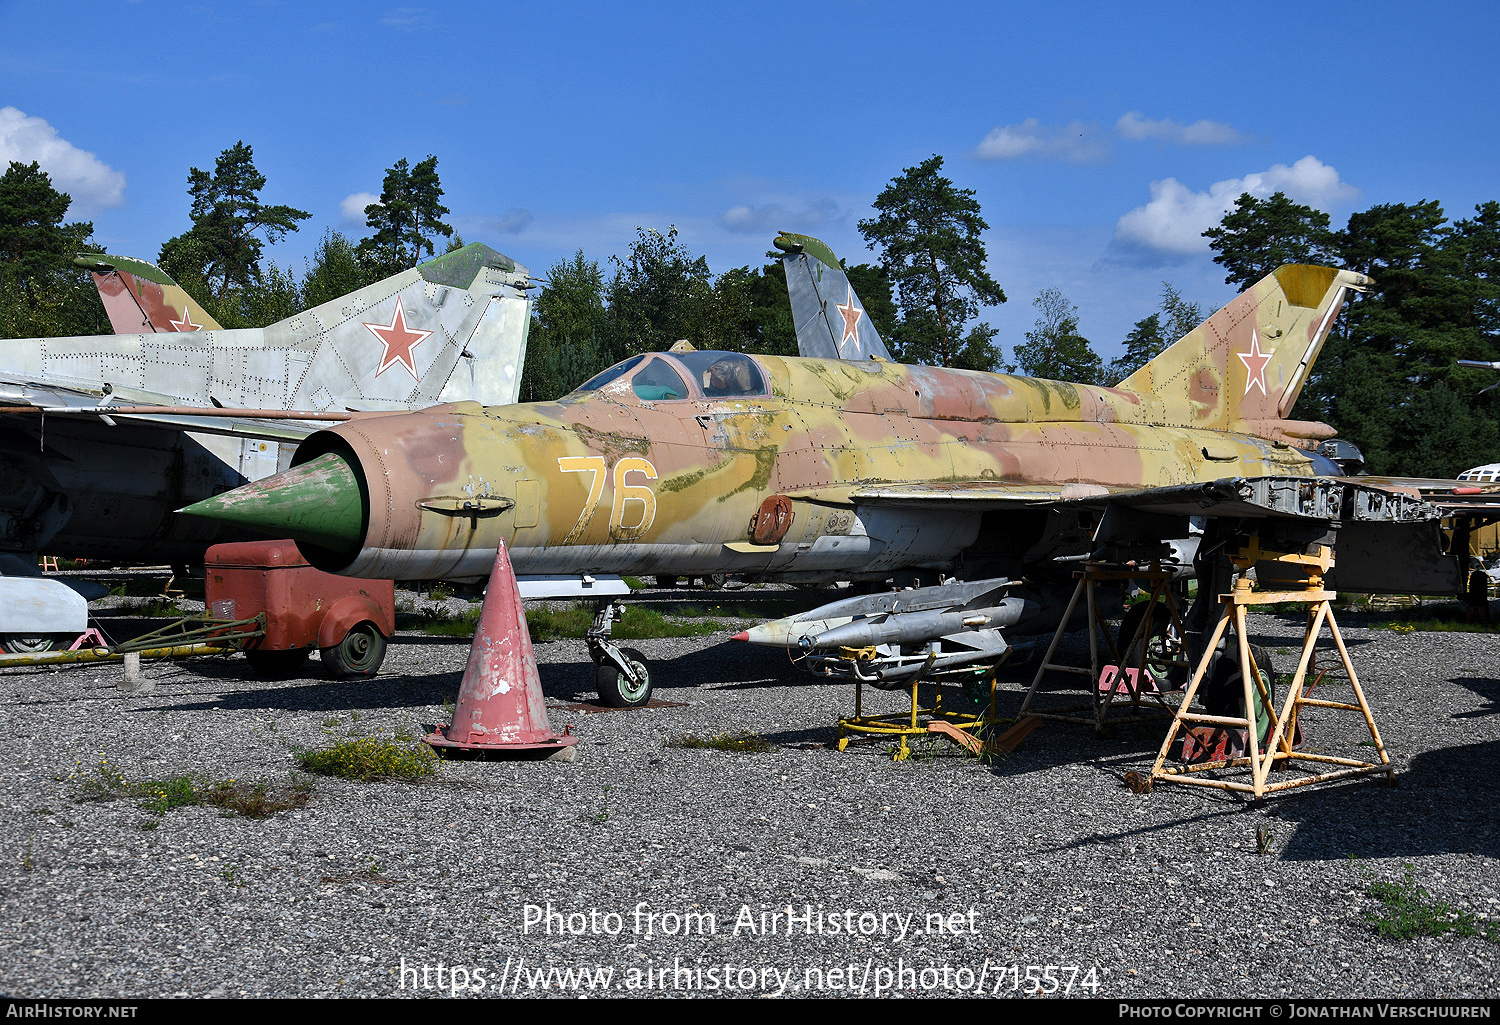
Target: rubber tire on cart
358, 655
277, 664
616, 689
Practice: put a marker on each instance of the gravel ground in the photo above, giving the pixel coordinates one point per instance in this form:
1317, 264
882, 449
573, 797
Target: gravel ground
672, 870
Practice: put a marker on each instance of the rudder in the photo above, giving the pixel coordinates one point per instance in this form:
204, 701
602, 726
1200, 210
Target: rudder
1249, 361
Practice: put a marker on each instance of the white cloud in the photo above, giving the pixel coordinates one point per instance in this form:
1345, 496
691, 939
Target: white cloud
353, 207
511, 222
773, 217
1075, 142
407, 19
92, 183
1173, 221
1135, 128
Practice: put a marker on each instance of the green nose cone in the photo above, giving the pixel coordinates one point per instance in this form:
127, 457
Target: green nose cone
319, 503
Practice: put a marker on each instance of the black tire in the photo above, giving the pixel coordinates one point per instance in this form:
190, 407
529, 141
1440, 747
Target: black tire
1225, 693
616, 689
666, 581
27, 644
277, 664
358, 655
715, 581
1161, 647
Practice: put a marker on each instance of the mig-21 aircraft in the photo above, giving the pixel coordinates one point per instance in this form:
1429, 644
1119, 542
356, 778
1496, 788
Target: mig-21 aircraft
976, 491
105, 437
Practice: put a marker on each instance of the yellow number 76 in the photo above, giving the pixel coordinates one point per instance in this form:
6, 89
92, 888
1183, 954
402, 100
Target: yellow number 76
624, 492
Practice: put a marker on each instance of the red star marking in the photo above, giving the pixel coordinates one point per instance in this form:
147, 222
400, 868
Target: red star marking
399, 340
1255, 365
186, 323
851, 314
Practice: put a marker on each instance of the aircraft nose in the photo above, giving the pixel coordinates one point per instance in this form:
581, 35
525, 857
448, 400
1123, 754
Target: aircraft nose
318, 503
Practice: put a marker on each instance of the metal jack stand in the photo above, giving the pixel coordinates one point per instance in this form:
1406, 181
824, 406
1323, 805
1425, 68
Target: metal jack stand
904, 725
1277, 750
1135, 681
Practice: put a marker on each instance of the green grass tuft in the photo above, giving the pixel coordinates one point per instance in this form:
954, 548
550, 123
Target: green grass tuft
369, 758
252, 800
1409, 910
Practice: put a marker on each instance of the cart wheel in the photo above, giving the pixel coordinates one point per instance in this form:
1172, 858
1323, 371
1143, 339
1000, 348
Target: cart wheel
358, 655
616, 689
276, 664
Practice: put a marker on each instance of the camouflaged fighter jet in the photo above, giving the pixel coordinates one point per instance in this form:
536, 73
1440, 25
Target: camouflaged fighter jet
974, 488
105, 437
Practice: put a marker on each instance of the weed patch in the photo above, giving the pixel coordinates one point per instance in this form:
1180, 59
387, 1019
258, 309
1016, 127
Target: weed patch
251, 800
369, 759
1436, 625
1409, 910
744, 742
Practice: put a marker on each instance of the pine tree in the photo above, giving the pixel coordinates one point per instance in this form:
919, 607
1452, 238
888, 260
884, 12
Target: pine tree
406, 218
222, 248
928, 234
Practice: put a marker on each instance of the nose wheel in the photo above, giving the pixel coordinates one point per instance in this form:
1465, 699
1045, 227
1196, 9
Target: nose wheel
622, 675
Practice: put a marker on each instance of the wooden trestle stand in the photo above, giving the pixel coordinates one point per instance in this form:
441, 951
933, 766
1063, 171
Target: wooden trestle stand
1132, 683
1276, 752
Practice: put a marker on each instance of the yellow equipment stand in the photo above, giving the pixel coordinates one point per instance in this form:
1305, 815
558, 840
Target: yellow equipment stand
904, 725
1094, 573
1277, 751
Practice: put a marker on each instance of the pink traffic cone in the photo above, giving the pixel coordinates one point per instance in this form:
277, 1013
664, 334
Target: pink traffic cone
500, 703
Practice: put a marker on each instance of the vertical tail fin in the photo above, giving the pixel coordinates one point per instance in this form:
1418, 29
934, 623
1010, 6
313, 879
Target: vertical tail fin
830, 320
1249, 361
140, 297
451, 329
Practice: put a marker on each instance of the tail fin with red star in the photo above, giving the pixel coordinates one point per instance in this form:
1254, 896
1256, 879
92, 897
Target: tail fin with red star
830, 320
1244, 367
449, 330
140, 297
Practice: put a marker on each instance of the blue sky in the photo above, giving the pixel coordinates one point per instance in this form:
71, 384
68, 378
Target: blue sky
1100, 139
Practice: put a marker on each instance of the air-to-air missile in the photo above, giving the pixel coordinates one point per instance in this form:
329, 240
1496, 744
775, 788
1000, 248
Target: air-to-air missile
955, 484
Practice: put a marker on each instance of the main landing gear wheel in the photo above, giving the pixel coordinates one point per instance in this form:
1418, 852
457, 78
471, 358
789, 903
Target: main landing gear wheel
20, 644
1225, 693
1161, 647
358, 655
617, 690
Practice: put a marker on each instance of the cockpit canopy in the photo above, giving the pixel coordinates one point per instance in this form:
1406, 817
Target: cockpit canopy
665, 377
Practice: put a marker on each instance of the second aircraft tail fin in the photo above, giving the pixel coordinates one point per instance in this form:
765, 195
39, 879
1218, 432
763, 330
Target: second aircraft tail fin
140, 297
831, 321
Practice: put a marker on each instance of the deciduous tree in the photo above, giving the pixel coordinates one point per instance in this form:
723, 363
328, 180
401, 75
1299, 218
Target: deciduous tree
1054, 349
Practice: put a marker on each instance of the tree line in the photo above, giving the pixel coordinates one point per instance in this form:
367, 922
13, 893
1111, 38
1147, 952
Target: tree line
1387, 379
